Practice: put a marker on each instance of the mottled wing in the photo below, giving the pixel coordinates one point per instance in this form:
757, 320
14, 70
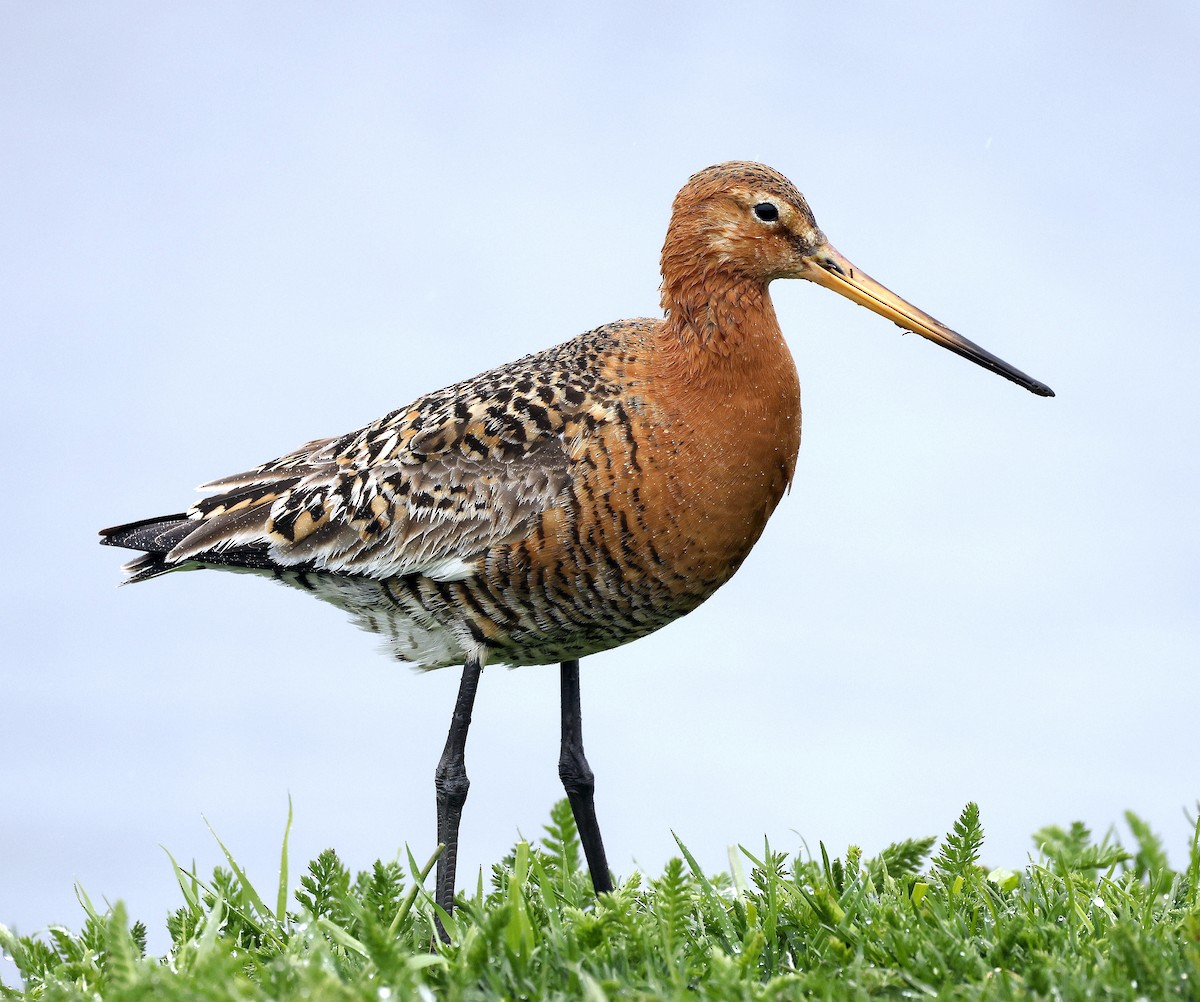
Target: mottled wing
425, 490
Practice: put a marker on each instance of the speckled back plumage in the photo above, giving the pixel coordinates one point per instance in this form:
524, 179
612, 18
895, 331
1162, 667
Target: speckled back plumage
564, 504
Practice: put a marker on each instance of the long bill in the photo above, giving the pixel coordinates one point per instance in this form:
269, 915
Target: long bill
829, 268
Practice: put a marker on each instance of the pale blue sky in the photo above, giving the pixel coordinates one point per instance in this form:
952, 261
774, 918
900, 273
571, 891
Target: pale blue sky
226, 229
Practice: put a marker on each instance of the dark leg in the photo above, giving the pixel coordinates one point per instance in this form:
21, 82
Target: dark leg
577, 779
452, 784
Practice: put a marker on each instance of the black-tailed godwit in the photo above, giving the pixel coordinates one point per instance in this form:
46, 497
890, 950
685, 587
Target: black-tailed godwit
567, 503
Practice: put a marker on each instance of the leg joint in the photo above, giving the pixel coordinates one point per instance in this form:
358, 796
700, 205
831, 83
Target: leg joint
451, 782
574, 771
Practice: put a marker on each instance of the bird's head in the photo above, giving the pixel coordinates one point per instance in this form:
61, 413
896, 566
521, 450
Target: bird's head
742, 222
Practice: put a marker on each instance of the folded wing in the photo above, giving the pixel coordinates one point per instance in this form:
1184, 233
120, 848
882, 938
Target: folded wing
428, 489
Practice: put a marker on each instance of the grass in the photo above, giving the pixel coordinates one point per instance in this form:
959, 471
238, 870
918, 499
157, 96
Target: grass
1089, 919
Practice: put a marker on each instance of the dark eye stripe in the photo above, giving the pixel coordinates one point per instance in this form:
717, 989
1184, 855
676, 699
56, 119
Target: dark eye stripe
766, 211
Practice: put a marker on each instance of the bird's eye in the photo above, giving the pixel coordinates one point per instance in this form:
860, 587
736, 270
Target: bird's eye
766, 211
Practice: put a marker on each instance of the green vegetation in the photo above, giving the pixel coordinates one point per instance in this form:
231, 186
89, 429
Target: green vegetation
1088, 920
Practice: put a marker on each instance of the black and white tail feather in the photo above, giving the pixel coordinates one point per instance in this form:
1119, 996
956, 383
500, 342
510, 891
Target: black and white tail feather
158, 536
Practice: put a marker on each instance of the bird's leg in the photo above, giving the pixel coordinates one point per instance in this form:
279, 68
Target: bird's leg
450, 780
578, 781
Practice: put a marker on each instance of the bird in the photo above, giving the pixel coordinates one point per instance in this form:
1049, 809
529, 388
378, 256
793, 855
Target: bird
564, 504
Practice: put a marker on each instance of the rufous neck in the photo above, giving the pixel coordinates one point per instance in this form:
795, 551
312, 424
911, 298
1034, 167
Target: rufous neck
718, 321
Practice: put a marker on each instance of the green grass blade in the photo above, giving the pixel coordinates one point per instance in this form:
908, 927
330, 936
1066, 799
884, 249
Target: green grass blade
281, 898
343, 939
255, 899
715, 901
1193, 870
419, 876
190, 889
